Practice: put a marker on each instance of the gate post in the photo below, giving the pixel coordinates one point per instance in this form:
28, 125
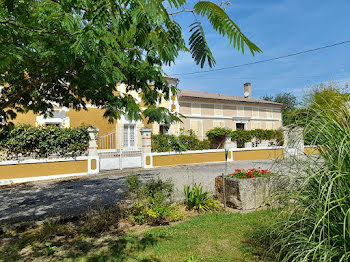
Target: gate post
93, 158
293, 142
146, 147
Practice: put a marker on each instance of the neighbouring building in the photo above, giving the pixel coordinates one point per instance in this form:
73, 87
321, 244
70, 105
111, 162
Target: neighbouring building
202, 112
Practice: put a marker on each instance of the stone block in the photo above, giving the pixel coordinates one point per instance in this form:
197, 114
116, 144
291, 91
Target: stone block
252, 193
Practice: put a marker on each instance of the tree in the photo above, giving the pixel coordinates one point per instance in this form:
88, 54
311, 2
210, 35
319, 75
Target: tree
289, 109
326, 97
72, 52
288, 100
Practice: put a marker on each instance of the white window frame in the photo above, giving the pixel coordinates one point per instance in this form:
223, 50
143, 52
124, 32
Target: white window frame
128, 145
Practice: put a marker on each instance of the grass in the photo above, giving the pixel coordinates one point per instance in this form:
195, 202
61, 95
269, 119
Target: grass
207, 237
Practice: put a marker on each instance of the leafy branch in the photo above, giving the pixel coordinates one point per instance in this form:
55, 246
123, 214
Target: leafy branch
35, 30
222, 23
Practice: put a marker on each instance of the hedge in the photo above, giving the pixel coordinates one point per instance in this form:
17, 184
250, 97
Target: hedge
25, 141
183, 142
244, 136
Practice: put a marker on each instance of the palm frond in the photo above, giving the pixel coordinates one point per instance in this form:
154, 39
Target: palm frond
222, 23
199, 47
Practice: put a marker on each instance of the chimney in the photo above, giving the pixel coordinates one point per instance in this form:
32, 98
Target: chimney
247, 90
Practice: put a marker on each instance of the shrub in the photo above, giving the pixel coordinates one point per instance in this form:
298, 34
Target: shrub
185, 141
32, 141
197, 199
218, 132
241, 136
100, 219
217, 136
151, 202
279, 137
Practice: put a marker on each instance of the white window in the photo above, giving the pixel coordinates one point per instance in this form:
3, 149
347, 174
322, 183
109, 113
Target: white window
129, 136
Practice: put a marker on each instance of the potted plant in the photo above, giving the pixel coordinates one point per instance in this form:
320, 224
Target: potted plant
249, 189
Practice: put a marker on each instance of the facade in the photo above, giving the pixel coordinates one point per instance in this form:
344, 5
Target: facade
201, 112
204, 111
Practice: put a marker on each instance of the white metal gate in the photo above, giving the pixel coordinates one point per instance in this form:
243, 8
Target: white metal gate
119, 150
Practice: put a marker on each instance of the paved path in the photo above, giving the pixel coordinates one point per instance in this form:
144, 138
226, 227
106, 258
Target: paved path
73, 196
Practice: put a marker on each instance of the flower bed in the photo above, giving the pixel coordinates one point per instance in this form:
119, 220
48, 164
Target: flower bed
251, 173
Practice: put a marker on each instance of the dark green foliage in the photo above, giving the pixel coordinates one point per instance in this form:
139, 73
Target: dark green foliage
217, 135
184, 142
241, 137
75, 52
289, 108
199, 200
244, 136
197, 41
151, 202
222, 23
44, 141
218, 132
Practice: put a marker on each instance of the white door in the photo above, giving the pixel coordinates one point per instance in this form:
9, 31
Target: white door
129, 135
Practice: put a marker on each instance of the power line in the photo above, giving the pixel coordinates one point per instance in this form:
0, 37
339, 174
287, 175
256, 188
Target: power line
267, 60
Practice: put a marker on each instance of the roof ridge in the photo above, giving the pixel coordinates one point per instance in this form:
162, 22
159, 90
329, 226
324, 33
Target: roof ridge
214, 96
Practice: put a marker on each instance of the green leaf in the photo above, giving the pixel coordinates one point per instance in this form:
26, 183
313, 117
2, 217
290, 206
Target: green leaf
199, 47
222, 23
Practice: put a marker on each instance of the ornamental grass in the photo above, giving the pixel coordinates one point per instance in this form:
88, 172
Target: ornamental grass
316, 225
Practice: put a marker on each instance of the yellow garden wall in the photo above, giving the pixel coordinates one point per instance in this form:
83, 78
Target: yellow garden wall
180, 159
193, 158
258, 154
43, 169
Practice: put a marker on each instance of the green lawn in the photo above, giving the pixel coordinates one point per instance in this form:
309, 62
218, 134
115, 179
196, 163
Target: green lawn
208, 237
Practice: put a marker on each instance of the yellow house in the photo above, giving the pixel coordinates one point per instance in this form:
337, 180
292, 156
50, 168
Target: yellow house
202, 112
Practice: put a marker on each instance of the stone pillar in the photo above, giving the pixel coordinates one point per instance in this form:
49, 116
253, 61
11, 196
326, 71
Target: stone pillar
93, 158
146, 147
227, 141
293, 141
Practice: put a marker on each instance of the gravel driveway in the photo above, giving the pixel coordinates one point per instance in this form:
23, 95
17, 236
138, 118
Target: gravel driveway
73, 196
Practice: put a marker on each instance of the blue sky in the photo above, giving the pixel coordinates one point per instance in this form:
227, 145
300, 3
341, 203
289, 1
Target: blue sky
278, 27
